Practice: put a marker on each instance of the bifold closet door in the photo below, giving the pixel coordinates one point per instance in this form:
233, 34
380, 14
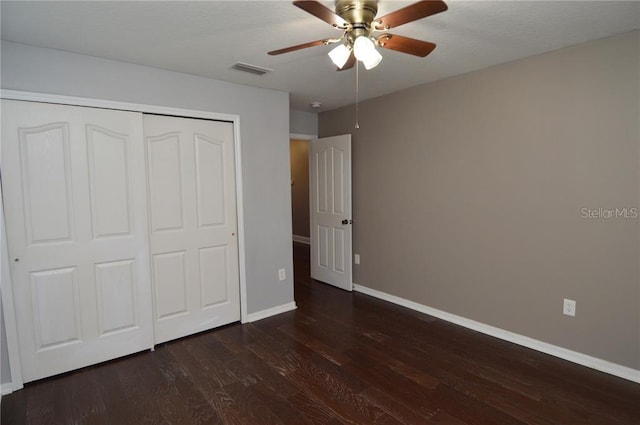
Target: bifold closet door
193, 225
75, 204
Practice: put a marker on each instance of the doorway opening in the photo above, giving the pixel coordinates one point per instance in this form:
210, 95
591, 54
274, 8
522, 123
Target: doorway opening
300, 212
299, 153
321, 205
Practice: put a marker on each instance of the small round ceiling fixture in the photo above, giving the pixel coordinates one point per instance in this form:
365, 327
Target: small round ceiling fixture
316, 104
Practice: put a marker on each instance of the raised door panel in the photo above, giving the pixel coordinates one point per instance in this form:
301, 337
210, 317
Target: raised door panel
321, 186
210, 181
116, 296
169, 274
46, 182
56, 307
322, 244
110, 188
338, 258
165, 182
337, 193
214, 276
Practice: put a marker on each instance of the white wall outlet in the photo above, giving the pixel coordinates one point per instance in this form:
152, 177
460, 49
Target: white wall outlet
356, 258
569, 307
282, 274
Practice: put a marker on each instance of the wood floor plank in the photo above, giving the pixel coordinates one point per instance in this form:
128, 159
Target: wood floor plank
177, 397
118, 407
45, 404
13, 409
470, 410
280, 405
252, 406
463, 377
395, 408
86, 400
400, 388
249, 367
333, 391
203, 359
302, 335
314, 410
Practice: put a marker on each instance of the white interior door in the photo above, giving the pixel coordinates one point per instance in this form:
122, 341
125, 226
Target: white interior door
193, 236
330, 204
75, 205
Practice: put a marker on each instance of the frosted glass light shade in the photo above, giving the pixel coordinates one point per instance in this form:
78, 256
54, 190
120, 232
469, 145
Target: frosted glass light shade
365, 51
373, 59
339, 55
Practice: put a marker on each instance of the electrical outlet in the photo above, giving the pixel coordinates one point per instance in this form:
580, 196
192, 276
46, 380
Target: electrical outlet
569, 307
282, 274
356, 258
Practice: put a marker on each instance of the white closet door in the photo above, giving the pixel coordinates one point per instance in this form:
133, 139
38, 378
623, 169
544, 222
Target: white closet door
74, 186
193, 228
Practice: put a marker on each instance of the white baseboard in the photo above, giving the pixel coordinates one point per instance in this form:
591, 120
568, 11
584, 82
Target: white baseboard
554, 350
302, 239
263, 314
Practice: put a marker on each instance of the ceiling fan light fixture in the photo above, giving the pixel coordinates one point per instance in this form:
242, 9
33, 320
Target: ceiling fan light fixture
365, 51
340, 55
373, 59
362, 46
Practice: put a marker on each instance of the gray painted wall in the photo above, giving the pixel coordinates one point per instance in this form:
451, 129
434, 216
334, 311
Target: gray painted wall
302, 122
264, 131
468, 195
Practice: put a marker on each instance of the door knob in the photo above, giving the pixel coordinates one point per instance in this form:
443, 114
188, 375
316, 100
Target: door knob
345, 221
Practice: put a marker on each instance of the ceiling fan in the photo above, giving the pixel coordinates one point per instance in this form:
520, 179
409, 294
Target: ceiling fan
362, 31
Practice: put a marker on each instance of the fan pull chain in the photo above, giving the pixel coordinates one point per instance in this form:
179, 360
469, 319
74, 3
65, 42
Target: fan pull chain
357, 91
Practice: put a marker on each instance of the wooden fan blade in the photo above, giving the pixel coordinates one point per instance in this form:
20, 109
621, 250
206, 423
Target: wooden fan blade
319, 11
297, 47
411, 13
350, 62
406, 44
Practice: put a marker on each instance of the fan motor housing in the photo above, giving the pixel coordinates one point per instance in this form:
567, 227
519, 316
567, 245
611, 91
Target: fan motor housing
357, 12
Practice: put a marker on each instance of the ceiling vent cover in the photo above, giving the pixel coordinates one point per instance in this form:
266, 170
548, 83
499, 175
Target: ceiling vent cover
252, 69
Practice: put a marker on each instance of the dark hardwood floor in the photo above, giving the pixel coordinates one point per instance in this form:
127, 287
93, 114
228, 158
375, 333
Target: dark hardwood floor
339, 358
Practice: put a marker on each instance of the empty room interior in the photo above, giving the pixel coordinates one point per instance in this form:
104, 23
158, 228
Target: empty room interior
320, 212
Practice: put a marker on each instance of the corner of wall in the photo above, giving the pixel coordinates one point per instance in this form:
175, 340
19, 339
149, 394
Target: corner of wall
301, 122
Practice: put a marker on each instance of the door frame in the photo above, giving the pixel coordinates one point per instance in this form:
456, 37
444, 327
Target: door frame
8, 306
8, 313
310, 138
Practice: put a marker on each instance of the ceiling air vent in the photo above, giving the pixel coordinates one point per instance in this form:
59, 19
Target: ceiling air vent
252, 69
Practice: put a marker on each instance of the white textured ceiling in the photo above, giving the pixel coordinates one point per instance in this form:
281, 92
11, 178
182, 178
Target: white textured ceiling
207, 37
